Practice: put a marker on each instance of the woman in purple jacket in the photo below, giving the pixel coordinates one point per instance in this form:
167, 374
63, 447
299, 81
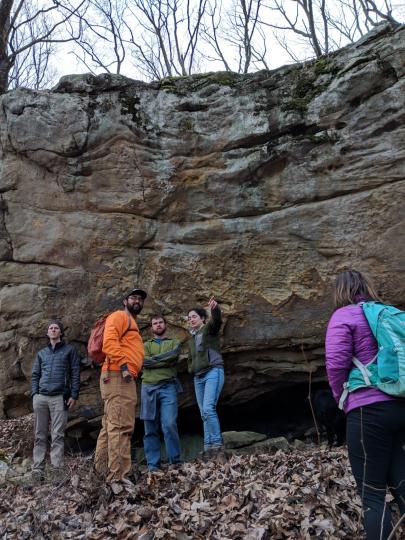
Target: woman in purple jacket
375, 421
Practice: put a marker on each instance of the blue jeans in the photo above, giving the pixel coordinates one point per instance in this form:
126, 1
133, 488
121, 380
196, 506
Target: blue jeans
207, 390
166, 419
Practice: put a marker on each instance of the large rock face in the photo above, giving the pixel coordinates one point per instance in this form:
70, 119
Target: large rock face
255, 188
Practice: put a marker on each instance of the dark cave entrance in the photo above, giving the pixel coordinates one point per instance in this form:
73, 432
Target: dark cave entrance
283, 412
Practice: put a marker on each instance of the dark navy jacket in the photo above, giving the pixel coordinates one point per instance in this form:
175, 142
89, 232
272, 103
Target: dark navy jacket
56, 371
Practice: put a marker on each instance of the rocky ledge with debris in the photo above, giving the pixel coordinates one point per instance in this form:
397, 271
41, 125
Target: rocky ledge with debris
279, 494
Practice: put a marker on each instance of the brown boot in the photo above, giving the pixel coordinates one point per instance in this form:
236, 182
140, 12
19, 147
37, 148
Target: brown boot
219, 454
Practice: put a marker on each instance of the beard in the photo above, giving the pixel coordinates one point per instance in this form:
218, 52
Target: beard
134, 309
160, 331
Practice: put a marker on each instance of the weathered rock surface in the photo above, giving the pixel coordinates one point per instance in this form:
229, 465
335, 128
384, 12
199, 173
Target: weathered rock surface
239, 439
255, 188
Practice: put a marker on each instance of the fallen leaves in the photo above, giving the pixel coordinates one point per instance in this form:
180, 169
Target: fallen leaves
303, 495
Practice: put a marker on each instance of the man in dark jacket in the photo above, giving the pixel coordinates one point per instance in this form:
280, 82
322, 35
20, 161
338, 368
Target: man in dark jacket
55, 389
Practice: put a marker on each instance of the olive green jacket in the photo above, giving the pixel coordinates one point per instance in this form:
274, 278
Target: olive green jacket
161, 359
199, 360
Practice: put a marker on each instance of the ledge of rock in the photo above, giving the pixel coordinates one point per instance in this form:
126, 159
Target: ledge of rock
239, 439
256, 188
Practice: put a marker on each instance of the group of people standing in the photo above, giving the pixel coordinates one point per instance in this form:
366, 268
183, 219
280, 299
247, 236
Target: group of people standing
56, 376
375, 420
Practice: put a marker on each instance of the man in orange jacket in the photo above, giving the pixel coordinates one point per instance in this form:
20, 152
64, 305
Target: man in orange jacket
123, 346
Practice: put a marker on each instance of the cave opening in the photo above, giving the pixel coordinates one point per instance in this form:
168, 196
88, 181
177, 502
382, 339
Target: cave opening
284, 412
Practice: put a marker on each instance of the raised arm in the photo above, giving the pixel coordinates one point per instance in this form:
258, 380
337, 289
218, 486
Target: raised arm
215, 321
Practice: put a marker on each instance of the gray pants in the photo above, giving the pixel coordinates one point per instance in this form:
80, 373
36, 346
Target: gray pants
49, 408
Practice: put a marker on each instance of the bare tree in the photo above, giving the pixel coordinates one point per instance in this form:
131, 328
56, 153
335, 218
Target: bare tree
31, 67
173, 37
305, 18
169, 33
235, 36
375, 13
324, 25
104, 39
31, 26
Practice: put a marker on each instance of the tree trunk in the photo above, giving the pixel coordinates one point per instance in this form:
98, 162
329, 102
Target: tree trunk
4, 73
5, 65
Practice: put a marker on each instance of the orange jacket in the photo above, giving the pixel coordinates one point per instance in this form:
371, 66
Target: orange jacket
122, 349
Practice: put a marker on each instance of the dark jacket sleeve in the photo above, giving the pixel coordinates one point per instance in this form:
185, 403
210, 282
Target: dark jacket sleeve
36, 375
74, 373
214, 324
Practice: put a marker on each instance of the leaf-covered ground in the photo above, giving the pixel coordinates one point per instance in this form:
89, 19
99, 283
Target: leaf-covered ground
302, 494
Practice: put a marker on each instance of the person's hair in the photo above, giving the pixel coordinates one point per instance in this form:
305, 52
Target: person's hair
157, 316
201, 312
351, 287
59, 323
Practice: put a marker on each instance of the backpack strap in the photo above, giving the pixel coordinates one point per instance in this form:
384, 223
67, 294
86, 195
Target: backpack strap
363, 369
343, 397
366, 374
129, 326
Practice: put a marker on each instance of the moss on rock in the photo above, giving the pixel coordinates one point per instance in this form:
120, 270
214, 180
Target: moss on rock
304, 89
130, 105
185, 84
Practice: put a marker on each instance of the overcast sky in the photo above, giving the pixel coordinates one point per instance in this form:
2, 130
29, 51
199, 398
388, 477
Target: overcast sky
65, 62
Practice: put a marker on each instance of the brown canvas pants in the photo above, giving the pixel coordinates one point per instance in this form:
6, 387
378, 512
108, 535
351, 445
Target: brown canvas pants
113, 451
49, 409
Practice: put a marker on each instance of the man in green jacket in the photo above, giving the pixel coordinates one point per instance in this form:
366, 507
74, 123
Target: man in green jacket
159, 395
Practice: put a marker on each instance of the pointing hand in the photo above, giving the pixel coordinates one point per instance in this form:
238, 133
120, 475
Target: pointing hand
212, 303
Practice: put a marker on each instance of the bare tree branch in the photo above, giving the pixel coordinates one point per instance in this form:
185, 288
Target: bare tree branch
236, 31
324, 25
29, 29
104, 41
171, 32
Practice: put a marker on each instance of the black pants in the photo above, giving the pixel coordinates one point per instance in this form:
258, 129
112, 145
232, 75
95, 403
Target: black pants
376, 444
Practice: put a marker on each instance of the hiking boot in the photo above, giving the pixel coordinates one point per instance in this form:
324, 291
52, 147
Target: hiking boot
122, 487
219, 454
37, 477
56, 475
130, 489
205, 455
135, 476
127, 484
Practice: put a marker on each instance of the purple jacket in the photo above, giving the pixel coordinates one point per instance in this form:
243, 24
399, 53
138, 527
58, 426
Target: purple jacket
349, 335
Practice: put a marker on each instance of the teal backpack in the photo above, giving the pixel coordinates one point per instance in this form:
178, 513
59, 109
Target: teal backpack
386, 371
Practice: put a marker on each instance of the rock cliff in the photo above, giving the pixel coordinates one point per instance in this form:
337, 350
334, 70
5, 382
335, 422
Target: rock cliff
255, 188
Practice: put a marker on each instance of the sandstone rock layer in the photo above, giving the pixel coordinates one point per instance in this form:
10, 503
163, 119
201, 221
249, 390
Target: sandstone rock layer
255, 188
